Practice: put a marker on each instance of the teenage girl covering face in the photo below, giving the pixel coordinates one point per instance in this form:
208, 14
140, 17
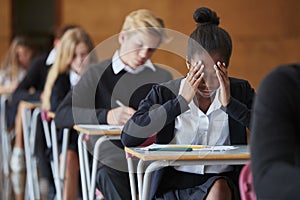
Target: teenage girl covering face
206, 107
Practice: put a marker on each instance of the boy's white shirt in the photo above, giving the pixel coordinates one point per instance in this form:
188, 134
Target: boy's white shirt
118, 65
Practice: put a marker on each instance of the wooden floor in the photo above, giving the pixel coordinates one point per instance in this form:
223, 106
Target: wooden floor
12, 187
6, 190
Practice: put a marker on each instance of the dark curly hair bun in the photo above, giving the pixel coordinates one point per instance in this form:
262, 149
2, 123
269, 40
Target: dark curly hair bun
205, 16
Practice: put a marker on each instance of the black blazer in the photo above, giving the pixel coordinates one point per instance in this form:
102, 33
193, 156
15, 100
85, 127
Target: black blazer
60, 89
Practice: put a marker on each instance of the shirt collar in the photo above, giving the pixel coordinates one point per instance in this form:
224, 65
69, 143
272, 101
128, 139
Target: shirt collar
118, 65
216, 104
51, 57
74, 77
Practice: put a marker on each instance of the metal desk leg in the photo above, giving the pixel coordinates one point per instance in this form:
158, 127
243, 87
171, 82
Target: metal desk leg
86, 166
94, 166
147, 177
82, 166
131, 176
50, 144
26, 118
140, 174
164, 163
33, 124
5, 138
56, 162
95, 162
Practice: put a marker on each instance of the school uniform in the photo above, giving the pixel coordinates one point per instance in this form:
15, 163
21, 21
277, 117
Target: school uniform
34, 79
275, 138
165, 127
61, 88
92, 98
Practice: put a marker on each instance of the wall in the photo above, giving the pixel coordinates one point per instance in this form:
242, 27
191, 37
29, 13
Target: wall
265, 33
37, 19
5, 26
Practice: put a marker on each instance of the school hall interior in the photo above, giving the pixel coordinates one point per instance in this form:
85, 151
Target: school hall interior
265, 34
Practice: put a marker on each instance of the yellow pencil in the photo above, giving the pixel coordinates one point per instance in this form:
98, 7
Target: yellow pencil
188, 146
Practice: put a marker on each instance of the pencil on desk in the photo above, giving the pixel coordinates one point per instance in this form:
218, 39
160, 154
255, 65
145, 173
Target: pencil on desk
188, 146
197, 146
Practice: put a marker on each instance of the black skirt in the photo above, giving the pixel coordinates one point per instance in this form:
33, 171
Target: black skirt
183, 185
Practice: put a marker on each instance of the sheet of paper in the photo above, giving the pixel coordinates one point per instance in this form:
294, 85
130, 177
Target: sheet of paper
100, 127
180, 146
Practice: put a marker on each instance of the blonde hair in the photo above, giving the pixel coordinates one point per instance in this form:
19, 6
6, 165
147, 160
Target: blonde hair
145, 21
10, 60
64, 56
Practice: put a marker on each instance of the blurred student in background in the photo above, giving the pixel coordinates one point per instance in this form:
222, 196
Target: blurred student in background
207, 107
13, 69
73, 56
30, 89
15, 64
127, 77
275, 138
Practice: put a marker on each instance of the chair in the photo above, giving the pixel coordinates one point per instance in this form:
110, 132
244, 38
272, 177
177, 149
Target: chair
6, 136
58, 169
88, 179
30, 113
246, 183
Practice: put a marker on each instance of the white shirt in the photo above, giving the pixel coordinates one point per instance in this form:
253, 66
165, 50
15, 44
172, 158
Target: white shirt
51, 57
7, 81
74, 77
196, 127
118, 65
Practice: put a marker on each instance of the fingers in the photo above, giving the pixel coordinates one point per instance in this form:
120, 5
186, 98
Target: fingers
130, 111
198, 81
193, 79
120, 115
222, 75
221, 67
125, 113
221, 71
195, 72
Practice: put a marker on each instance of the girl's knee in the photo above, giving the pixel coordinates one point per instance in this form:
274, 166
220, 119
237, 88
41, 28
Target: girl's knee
220, 190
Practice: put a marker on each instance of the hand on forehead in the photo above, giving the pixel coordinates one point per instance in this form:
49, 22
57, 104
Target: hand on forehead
208, 60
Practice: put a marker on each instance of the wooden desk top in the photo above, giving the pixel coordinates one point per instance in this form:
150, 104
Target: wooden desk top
98, 129
6, 93
31, 105
240, 153
51, 114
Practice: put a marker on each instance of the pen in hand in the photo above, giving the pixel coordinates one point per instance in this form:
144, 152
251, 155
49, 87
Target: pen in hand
119, 103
